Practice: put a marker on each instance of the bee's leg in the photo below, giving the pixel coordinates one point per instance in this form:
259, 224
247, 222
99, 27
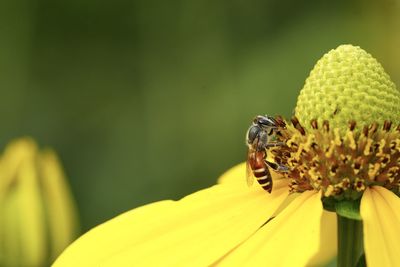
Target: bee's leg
282, 168
277, 167
274, 144
262, 141
272, 129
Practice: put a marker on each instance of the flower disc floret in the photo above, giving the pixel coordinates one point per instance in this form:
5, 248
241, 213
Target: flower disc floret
340, 165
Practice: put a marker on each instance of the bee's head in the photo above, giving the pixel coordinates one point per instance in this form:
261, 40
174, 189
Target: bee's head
265, 122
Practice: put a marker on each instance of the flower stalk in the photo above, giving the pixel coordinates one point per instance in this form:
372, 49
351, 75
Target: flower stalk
350, 241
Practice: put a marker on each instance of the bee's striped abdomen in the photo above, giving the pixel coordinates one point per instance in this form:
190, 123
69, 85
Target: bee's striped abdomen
264, 178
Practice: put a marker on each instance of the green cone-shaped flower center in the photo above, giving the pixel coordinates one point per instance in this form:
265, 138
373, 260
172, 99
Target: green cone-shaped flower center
348, 84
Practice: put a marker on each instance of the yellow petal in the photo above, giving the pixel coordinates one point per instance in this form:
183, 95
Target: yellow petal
22, 220
290, 239
328, 240
195, 231
236, 174
380, 211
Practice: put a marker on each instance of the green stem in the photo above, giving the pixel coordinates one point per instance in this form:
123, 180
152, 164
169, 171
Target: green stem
350, 241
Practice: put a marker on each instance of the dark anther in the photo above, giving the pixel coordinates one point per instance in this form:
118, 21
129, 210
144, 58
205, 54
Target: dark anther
385, 159
325, 124
314, 124
280, 121
387, 125
336, 111
376, 147
295, 121
373, 127
345, 184
314, 145
365, 130
338, 190
393, 144
357, 165
294, 145
352, 125
297, 125
334, 168
314, 163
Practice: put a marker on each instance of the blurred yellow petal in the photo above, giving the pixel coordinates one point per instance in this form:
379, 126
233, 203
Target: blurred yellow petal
22, 224
328, 240
34, 211
195, 231
380, 211
14, 154
31, 216
10, 249
61, 211
290, 239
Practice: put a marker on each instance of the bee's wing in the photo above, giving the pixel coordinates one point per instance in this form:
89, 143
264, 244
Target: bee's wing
249, 172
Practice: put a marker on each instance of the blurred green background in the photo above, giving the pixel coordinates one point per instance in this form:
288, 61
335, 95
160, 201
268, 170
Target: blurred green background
148, 100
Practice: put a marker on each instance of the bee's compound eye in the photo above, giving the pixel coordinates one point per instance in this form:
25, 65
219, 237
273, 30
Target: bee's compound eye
266, 121
252, 133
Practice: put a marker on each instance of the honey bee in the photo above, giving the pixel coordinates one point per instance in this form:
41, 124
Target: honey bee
257, 139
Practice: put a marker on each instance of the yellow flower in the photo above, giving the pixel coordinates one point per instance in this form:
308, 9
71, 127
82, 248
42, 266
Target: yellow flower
37, 215
350, 169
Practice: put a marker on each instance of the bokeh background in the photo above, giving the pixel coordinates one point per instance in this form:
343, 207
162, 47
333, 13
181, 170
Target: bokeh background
148, 99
